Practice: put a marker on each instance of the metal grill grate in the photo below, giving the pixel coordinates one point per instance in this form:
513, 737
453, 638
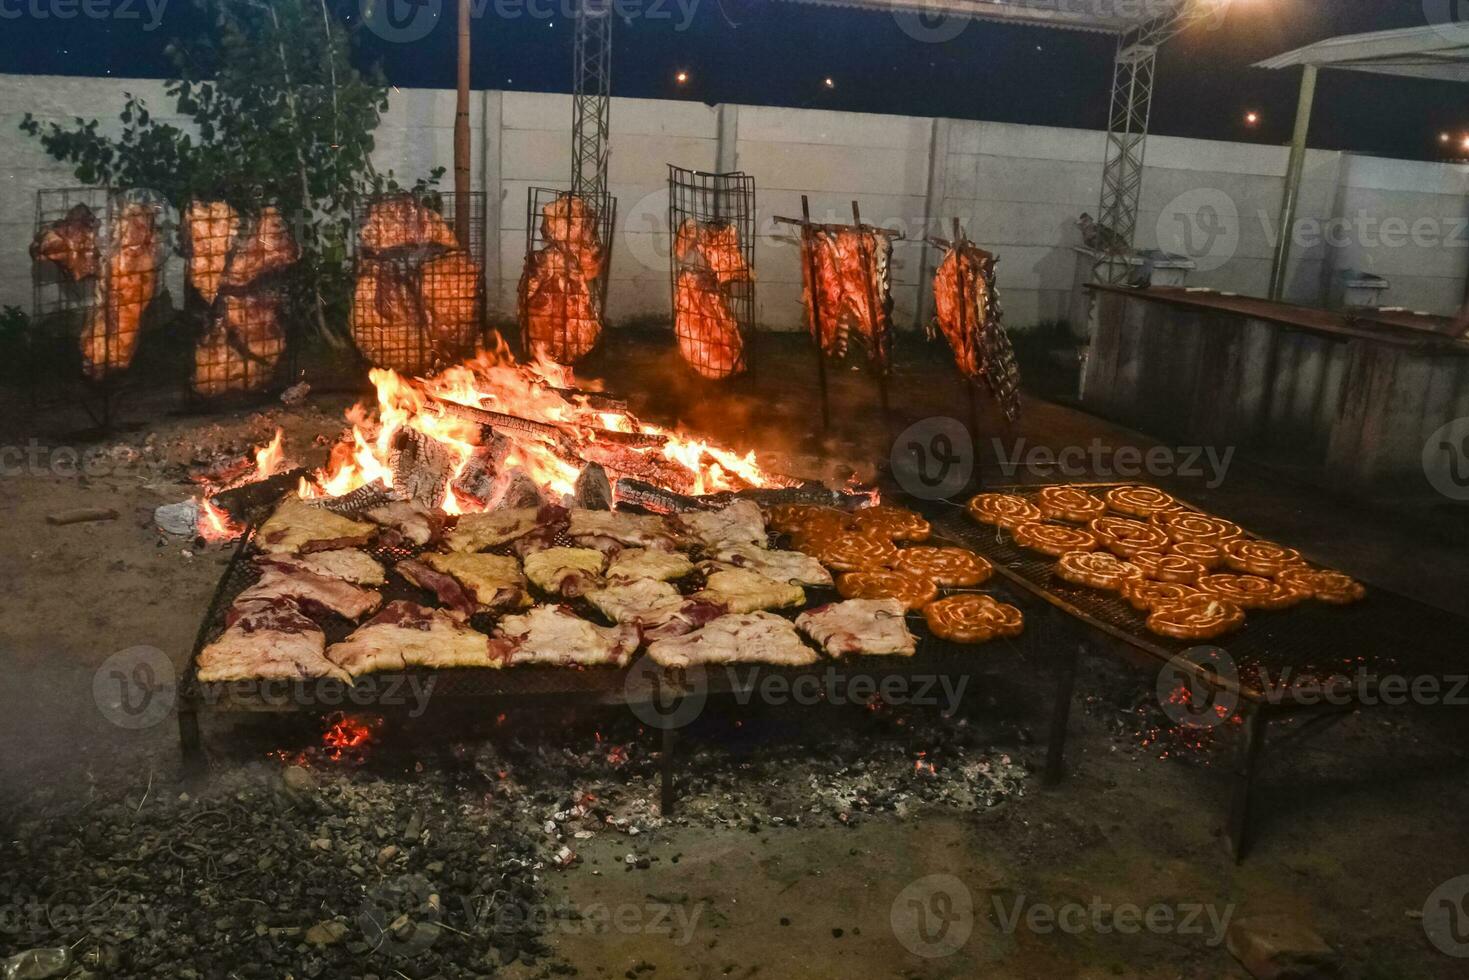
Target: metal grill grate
935, 656
1385, 634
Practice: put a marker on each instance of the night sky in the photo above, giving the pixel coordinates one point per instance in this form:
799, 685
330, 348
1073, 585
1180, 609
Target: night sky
779, 53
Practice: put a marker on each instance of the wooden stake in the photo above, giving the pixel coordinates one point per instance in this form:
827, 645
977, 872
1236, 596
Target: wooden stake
461, 134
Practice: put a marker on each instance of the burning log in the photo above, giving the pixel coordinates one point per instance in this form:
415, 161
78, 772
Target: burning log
422, 467
359, 501
656, 498
517, 490
599, 400
475, 483
243, 501
593, 490
499, 420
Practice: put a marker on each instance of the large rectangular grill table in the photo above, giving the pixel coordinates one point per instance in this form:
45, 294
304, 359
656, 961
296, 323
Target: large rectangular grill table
640, 683
1385, 634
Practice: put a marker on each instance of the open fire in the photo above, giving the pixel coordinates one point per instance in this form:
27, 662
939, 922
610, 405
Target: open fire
541, 424
460, 440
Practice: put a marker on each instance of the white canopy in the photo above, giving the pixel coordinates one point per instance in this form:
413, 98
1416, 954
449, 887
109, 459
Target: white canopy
1438, 51
1079, 15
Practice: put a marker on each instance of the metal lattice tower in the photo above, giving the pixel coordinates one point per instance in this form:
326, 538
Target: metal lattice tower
1133, 75
591, 103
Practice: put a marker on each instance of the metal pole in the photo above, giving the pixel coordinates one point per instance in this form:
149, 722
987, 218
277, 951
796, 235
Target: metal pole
1291, 198
461, 132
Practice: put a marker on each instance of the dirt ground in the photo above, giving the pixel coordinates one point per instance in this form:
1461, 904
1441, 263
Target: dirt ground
1359, 825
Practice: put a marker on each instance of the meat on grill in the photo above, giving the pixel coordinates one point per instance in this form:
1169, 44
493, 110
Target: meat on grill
404, 221
757, 637
266, 248
655, 608
312, 592
406, 634
347, 564
968, 313
555, 635
853, 290
209, 231
243, 345
639, 530
709, 335
783, 566
559, 292
71, 242
267, 639
123, 291
454, 597
860, 626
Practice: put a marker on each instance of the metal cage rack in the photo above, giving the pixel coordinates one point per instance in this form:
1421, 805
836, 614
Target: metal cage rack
418, 300
562, 297
711, 228
90, 297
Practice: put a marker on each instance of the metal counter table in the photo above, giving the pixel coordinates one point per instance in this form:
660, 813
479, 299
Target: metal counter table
1346, 400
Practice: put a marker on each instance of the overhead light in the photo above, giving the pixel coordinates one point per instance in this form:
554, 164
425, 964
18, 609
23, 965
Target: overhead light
829, 82
1252, 118
681, 77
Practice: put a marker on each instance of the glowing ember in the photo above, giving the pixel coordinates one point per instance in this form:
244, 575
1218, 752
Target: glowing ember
564, 432
346, 739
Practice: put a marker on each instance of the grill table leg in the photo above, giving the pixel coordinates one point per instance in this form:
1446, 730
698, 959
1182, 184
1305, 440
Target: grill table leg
670, 743
1246, 765
1061, 714
191, 747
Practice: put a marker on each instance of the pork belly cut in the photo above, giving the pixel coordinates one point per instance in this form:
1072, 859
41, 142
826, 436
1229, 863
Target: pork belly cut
557, 636
493, 583
567, 572
741, 590
415, 524
298, 527
654, 607
457, 601
312, 592
650, 563
347, 564
637, 530
267, 639
754, 638
739, 523
477, 532
406, 634
860, 626
783, 566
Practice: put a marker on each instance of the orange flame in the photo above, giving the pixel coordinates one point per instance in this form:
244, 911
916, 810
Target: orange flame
494, 381
214, 524
270, 459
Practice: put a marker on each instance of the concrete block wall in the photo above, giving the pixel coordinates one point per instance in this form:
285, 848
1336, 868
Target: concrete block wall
1017, 189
